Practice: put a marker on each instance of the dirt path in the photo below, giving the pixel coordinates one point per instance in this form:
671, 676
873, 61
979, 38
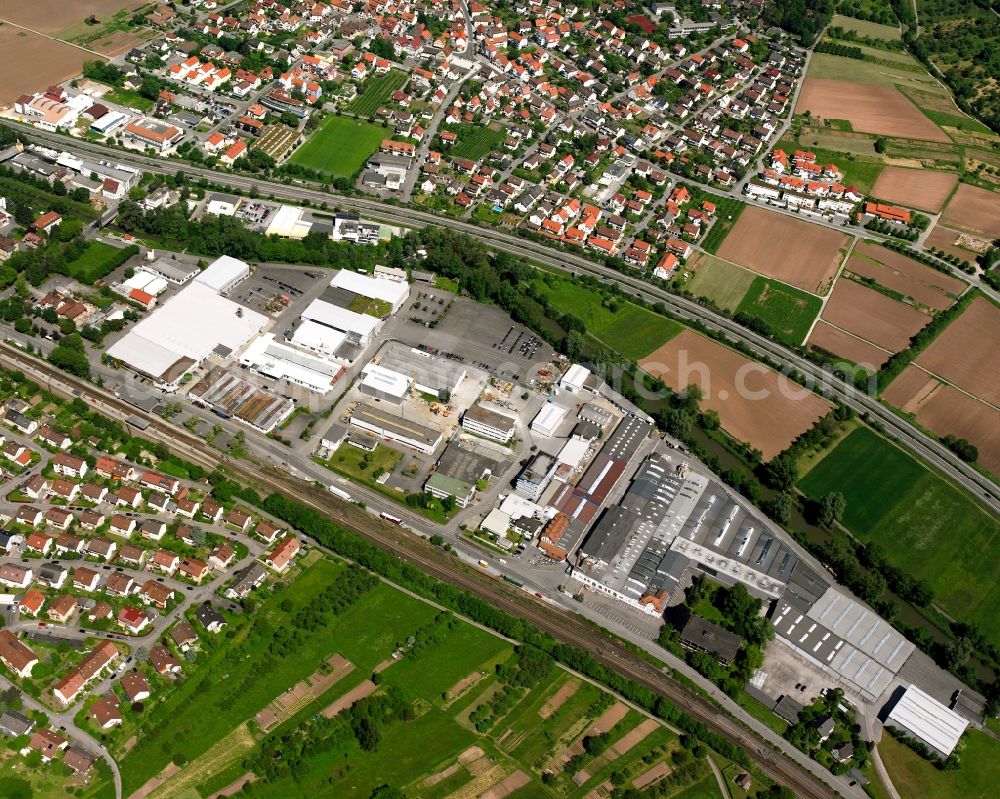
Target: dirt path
235, 786
559, 698
506, 786
360, 692
153, 783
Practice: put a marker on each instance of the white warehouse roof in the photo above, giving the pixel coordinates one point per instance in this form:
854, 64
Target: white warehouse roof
223, 272
575, 377
386, 381
547, 419
326, 313
391, 291
923, 716
190, 324
321, 338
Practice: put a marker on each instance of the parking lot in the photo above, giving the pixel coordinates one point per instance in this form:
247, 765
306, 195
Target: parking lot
481, 336
256, 215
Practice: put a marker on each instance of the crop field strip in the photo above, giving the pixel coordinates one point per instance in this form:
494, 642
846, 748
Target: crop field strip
377, 91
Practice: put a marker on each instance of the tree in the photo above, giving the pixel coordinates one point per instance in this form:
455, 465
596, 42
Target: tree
780, 508
678, 422
573, 344
387, 792
880, 145
782, 472
831, 508
710, 420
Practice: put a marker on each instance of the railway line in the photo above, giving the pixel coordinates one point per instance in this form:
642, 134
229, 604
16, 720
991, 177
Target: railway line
983, 489
560, 624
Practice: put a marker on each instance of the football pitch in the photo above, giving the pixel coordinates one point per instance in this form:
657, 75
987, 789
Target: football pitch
340, 147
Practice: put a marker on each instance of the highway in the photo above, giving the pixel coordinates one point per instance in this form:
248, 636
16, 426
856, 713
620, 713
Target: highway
806, 778
930, 449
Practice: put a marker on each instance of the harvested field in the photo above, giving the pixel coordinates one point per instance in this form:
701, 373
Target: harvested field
724, 283
755, 404
910, 278
966, 352
874, 317
945, 410
785, 248
508, 785
975, 209
943, 238
52, 16
869, 108
360, 692
647, 778
51, 62
118, 42
924, 189
845, 345
559, 698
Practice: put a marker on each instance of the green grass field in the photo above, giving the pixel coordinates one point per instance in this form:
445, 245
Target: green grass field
476, 141
927, 526
340, 147
97, 261
833, 67
129, 98
723, 282
629, 329
376, 92
788, 311
913, 776
865, 28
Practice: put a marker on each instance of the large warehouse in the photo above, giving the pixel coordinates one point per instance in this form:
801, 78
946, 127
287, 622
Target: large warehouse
358, 328
929, 721
190, 326
393, 292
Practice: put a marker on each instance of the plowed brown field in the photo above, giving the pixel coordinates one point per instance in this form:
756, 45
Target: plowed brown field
755, 404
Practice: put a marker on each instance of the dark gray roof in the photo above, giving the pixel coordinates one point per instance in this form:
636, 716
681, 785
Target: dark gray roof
14, 723
711, 637
788, 709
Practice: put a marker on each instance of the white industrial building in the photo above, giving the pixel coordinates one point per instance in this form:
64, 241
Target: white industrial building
359, 328
190, 326
489, 423
142, 280
381, 383
318, 338
393, 292
926, 719
224, 273
289, 223
547, 420
278, 361
575, 378
393, 427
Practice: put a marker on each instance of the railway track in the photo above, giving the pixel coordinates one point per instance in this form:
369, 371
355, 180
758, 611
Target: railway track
560, 624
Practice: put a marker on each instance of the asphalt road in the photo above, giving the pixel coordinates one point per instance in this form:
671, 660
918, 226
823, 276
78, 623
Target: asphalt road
808, 779
931, 450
